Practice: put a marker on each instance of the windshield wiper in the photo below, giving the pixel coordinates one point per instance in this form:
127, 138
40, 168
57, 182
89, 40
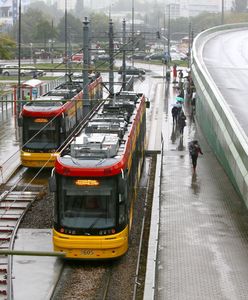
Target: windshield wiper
96, 220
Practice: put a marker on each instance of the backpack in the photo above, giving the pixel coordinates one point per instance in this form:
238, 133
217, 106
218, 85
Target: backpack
193, 149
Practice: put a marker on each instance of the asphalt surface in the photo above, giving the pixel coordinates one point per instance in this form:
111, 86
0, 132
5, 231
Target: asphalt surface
226, 59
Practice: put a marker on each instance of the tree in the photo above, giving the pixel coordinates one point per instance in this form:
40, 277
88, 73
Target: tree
99, 26
43, 31
7, 47
29, 21
74, 29
50, 11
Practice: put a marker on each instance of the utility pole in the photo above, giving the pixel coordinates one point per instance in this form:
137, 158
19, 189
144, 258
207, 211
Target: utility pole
111, 57
19, 62
190, 42
52, 43
124, 55
86, 102
69, 50
222, 12
169, 29
66, 50
90, 45
132, 32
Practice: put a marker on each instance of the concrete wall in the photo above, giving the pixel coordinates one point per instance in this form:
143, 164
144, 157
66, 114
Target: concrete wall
220, 127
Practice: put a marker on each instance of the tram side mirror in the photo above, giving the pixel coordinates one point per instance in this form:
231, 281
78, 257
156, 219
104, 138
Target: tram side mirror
52, 184
63, 123
20, 122
122, 185
147, 103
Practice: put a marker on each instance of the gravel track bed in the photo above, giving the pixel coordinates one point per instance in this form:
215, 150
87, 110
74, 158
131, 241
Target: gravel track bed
87, 280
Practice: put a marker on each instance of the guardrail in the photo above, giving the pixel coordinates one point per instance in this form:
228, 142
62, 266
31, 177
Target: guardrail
220, 127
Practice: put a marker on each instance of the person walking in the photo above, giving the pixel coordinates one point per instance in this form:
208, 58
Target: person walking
194, 150
181, 122
174, 72
174, 113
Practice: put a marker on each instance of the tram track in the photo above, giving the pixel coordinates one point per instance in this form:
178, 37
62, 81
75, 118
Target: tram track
118, 279
14, 203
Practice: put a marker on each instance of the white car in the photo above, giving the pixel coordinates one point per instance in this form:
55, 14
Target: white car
12, 70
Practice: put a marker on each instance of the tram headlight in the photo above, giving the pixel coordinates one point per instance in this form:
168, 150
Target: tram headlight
26, 154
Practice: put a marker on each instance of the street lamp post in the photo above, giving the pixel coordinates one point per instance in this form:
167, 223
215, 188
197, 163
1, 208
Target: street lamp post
66, 50
19, 61
52, 43
190, 44
31, 53
132, 32
168, 37
222, 12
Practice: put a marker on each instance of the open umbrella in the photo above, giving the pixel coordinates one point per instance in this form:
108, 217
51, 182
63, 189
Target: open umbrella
179, 99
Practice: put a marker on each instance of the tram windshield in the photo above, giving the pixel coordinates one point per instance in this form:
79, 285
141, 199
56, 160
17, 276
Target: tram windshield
40, 133
87, 204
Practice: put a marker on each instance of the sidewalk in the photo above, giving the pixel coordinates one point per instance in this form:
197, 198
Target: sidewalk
203, 235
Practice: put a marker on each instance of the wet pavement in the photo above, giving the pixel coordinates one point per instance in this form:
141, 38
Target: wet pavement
35, 276
203, 236
9, 143
203, 240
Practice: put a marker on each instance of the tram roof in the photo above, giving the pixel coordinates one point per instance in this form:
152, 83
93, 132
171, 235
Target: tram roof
104, 145
32, 83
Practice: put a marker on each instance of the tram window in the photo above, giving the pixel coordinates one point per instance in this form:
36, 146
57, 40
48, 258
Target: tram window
88, 211
87, 207
38, 136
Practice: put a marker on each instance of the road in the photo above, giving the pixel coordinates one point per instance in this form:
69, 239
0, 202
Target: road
226, 59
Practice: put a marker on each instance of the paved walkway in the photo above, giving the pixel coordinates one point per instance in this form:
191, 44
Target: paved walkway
203, 236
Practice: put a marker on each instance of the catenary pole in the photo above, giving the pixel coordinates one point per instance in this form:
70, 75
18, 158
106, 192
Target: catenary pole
86, 102
222, 12
19, 61
124, 55
111, 57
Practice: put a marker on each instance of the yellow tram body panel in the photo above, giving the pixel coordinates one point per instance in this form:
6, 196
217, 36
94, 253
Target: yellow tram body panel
91, 247
38, 160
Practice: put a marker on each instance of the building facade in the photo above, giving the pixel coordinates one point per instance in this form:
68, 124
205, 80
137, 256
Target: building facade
191, 8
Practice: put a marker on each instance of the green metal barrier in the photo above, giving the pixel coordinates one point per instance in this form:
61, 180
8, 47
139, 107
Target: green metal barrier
221, 129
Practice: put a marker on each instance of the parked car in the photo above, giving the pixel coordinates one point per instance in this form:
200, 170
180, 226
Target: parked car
155, 56
137, 55
77, 57
175, 56
12, 70
183, 56
1, 68
34, 72
130, 70
101, 57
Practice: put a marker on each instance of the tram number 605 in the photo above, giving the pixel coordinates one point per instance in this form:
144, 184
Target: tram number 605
87, 252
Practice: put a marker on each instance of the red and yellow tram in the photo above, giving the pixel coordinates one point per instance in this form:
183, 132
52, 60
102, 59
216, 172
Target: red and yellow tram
95, 181
48, 120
